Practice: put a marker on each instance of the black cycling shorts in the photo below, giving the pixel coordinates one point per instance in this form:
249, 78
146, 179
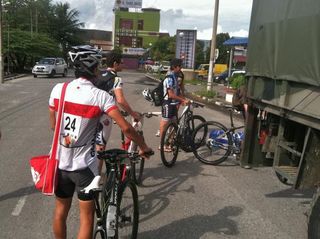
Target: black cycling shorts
68, 182
169, 111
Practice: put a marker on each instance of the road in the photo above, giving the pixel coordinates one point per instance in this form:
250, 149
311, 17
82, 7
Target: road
189, 201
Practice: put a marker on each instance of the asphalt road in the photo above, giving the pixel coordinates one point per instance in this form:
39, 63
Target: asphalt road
189, 201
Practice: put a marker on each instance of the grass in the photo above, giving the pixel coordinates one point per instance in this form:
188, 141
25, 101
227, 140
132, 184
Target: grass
194, 82
208, 94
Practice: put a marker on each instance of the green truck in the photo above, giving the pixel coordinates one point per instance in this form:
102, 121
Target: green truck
283, 91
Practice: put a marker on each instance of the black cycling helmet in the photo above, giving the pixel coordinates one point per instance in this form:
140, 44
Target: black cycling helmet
85, 59
175, 62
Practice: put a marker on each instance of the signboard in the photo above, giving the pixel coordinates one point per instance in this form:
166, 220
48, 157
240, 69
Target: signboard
129, 3
133, 51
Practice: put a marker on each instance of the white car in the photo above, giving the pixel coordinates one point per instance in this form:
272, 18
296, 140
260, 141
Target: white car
164, 66
50, 67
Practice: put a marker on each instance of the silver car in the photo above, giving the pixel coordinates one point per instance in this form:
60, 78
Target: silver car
50, 67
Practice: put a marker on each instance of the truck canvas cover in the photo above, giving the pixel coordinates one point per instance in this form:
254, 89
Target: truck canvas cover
284, 40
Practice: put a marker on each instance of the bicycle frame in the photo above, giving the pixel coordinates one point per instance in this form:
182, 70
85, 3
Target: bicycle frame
235, 148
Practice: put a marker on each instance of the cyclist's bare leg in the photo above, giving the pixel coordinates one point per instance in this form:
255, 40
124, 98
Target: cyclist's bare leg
60, 217
86, 219
98, 149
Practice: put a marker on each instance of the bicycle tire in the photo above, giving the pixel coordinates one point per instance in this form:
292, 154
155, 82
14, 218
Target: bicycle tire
197, 120
127, 211
137, 167
214, 149
169, 140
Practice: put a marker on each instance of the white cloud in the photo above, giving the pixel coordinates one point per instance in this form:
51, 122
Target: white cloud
234, 15
240, 33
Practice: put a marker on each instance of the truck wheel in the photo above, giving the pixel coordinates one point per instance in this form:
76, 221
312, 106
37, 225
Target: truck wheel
314, 217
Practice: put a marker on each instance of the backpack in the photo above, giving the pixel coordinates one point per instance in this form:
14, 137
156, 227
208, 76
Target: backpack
157, 94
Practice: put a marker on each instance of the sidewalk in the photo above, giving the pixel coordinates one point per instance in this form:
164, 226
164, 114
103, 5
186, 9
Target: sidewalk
14, 76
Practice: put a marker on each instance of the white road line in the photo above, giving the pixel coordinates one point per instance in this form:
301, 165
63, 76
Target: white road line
17, 210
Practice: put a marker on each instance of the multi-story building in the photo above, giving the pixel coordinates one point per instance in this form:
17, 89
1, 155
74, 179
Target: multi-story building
98, 38
136, 29
185, 47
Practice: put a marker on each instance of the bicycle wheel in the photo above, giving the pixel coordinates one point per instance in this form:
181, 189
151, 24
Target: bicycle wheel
193, 124
127, 211
215, 143
169, 147
137, 167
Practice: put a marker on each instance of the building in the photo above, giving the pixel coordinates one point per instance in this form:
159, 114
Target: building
98, 38
238, 54
186, 47
136, 29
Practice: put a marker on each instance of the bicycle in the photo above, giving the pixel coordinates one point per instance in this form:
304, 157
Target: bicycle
219, 141
179, 134
117, 211
137, 166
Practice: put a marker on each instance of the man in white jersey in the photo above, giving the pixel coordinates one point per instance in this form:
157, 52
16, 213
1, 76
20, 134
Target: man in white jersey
172, 96
78, 165
112, 83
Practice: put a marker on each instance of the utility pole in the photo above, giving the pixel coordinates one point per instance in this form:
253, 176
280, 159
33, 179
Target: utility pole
213, 46
1, 60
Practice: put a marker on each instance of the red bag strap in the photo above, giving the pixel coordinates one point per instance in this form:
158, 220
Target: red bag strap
58, 122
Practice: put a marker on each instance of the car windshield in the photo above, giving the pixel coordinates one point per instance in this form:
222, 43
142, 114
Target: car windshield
46, 61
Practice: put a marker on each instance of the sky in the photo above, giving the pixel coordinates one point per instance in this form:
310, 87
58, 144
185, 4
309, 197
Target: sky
233, 17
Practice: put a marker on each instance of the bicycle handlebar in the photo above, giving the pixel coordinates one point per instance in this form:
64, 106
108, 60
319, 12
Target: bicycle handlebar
197, 104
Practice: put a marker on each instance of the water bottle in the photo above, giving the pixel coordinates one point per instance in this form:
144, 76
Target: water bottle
111, 220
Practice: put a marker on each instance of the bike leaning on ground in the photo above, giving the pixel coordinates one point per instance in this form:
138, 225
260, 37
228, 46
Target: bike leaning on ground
215, 142
116, 203
179, 134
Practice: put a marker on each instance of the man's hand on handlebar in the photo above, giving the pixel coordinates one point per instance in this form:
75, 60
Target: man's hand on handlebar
146, 153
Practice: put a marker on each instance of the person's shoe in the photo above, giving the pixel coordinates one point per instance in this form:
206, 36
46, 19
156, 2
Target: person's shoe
158, 133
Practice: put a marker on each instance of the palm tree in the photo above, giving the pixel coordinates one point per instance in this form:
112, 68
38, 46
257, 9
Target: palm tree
65, 26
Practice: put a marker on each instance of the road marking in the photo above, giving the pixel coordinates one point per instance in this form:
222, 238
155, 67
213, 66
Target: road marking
17, 210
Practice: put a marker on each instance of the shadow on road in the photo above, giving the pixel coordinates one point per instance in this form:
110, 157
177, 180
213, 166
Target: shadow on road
292, 193
167, 182
197, 226
19, 193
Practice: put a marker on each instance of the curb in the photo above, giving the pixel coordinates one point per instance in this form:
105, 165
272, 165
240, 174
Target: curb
14, 77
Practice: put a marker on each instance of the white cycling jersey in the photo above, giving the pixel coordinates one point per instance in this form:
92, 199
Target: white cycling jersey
84, 104
105, 121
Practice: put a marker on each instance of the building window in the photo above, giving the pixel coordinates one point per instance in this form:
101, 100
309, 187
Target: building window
139, 42
140, 24
126, 23
125, 41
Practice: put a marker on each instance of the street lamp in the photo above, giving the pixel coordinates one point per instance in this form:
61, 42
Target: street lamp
181, 35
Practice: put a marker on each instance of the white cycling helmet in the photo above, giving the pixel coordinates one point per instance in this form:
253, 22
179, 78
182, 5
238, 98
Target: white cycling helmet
147, 95
85, 58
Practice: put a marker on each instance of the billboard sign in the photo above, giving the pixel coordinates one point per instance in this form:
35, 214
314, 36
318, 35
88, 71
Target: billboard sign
130, 3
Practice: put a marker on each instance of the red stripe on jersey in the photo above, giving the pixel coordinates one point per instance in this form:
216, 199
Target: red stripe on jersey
111, 108
86, 111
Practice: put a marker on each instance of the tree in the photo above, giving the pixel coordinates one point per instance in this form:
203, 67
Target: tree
25, 49
199, 54
65, 26
164, 49
223, 50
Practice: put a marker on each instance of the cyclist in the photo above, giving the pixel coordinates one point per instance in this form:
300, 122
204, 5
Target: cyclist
78, 165
109, 81
172, 96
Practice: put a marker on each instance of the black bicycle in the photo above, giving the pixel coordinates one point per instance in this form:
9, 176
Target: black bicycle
215, 142
179, 135
116, 203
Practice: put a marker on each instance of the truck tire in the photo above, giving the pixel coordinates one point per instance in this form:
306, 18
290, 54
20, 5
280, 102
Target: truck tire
314, 217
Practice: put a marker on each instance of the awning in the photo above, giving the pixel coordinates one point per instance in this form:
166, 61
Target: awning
236, 41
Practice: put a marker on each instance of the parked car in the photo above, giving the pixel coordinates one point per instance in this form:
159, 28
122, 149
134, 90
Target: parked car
50, 66
164, 66
223, 77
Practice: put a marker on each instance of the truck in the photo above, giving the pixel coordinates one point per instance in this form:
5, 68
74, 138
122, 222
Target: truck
203, 70
283, 92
